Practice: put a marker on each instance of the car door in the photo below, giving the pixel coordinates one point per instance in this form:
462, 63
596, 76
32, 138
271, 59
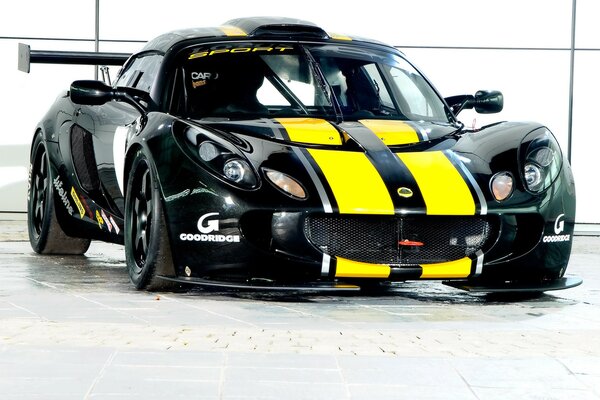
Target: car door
99, 135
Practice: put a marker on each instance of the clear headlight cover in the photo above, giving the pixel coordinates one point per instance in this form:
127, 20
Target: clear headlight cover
222, 157
542, 161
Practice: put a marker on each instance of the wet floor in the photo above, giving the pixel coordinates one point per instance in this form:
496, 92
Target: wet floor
74, 328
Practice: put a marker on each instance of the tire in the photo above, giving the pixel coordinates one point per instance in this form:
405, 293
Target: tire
147, 247
45, 234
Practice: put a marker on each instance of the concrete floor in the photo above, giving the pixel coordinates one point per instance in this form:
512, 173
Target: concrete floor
74, 328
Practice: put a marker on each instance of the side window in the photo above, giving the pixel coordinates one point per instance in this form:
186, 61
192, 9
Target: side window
140, 73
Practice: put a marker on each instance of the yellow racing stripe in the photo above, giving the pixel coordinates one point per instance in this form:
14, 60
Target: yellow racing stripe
356, 184
310, 130
230, 30
338, 36
446, 270
354, 269
391, 132
443, 188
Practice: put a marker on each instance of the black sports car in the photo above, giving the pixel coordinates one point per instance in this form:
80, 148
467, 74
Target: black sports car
269, 153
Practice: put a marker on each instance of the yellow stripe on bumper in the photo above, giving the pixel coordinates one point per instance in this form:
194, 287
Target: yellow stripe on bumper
356, 184
391, 132
443, 188
354, 269
232, 30
310, 130
446, 270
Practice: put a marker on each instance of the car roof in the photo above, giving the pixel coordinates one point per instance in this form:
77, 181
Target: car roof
252, 28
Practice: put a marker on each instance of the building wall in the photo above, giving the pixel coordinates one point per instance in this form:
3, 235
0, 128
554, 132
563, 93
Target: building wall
521, 47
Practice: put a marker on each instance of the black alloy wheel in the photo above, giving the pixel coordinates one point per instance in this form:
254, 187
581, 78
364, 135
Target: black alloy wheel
45, 234
147, 249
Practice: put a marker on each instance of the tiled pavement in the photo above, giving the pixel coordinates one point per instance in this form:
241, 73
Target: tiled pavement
73, 328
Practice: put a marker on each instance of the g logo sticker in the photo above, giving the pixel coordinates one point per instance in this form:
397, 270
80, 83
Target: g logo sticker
210, 226
559, 224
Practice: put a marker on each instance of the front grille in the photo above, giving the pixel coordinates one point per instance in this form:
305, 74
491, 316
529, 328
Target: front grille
376, 239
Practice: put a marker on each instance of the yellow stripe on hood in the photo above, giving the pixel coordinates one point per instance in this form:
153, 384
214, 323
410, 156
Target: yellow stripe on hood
443, 188
356, 184
310, 130
391, 132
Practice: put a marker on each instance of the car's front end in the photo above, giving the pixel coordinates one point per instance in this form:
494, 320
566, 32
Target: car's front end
357, 210
317, 163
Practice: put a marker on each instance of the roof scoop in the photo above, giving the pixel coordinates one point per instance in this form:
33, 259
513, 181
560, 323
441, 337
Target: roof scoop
272, 26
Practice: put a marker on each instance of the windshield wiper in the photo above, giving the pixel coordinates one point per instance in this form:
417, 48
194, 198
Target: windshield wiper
323, 84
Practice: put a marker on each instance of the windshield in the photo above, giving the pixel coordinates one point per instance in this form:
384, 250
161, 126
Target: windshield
255, 80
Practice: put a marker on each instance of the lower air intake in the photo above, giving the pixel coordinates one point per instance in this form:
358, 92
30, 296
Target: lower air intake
394, 240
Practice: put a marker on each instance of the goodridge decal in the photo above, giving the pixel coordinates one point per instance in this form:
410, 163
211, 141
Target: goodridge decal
206, 225
354, 269
559, 227
452, 269
392, 132
443, 188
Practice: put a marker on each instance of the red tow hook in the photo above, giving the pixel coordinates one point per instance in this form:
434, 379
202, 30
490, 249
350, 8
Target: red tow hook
407, 242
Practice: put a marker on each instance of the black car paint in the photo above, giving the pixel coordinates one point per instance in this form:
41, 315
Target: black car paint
190, 191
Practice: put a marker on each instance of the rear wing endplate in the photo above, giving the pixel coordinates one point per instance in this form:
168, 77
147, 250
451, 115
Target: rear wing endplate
28, 56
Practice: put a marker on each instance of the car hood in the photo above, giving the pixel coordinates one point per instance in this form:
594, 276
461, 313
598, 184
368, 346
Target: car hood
315, 131
369, 166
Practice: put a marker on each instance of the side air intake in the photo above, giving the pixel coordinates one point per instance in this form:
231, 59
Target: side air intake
84, 160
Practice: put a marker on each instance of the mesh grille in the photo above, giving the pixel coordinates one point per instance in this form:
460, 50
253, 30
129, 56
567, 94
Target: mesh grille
375, 239
82, 152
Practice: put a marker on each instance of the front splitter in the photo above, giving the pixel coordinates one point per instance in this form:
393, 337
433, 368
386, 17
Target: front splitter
508, 287
264, 285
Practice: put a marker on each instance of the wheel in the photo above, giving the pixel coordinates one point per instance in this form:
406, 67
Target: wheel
45, 234
147, 248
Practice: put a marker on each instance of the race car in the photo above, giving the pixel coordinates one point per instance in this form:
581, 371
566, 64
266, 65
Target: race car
269, 153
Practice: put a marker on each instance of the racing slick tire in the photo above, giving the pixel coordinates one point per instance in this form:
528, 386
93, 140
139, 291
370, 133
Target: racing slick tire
147, 247
45, 234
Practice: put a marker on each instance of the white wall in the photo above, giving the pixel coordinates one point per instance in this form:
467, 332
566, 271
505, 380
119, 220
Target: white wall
521, 47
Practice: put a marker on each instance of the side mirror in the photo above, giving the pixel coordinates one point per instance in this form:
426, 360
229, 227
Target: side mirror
97, 93
91, 93
488, 102
484, 102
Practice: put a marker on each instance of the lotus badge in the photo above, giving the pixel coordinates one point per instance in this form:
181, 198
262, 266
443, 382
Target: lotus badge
405, 192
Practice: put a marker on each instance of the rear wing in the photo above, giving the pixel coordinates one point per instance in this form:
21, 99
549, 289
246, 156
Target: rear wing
28, 56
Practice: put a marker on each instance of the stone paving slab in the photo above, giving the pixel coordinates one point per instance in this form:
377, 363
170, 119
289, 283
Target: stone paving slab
74, 328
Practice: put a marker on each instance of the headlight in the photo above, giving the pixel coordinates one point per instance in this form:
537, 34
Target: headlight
534, 177
208, 151
542, 161
222, 157
236, 170
286, 183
